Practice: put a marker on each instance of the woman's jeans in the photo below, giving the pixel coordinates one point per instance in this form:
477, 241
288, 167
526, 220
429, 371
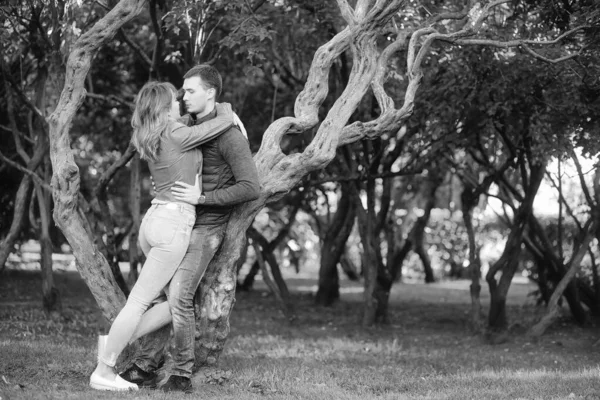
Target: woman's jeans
204, 243
164, 238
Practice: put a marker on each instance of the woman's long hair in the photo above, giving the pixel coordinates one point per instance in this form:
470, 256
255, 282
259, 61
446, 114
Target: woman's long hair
151, 118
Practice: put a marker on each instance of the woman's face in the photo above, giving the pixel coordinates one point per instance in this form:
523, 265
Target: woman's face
174, 113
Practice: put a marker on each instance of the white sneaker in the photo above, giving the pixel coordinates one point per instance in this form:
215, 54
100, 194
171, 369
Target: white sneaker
118, 384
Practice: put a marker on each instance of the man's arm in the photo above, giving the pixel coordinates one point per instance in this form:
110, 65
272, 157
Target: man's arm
235, 149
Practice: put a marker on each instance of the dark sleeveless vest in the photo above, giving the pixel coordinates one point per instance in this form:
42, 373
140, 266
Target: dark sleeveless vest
216, 174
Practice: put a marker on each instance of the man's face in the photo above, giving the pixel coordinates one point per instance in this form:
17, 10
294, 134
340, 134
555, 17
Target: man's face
196, 97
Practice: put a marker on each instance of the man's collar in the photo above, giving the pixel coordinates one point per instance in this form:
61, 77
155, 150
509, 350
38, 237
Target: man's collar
208, 116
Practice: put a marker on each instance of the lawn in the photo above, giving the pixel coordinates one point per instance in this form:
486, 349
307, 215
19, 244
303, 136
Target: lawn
426, 353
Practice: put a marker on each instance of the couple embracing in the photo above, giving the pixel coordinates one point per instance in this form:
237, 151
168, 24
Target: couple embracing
201, 166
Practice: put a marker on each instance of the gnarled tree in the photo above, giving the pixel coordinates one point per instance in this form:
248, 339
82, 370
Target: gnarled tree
367, 23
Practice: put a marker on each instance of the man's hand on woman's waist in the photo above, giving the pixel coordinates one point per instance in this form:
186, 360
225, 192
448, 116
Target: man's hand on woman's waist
191, 194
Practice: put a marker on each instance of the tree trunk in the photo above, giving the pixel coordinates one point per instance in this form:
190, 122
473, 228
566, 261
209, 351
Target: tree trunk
348, 267
333, 247
375, 296
398, 259
21, 201
416, 237
596, 285
91, 264
509, 261
578, 312
369, 259
386, 275
99, 204
102, 223
216, 295
542, 282
508, 264
575, 264
268, 248
51, 299
468, 201
250, 277
586, 296
382, 291
328, 291
242, 259
281, 285
264, 256
434, 179
371, 294
552, 264
420, 250
135, 194
275, 284
112, 252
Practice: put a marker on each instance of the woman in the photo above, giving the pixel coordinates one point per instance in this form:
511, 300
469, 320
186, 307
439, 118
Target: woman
171, 150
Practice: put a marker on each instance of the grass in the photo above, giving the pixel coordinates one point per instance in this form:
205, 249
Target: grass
426, 353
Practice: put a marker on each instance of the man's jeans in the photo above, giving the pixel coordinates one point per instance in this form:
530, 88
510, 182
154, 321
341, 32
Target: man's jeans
204, 243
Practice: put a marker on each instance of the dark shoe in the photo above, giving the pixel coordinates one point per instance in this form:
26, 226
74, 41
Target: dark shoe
135, 374
177, 383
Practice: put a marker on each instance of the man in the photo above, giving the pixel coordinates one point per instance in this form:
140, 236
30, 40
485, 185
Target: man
229, 177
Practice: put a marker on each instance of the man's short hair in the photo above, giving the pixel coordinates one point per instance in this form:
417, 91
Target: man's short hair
209, 75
